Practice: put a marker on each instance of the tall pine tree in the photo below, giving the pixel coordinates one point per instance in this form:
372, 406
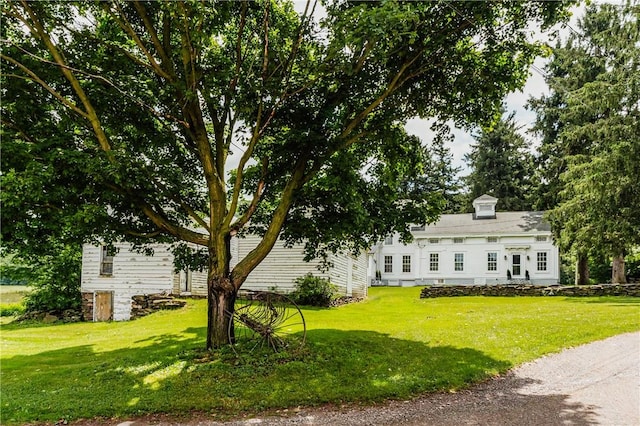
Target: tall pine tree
501, 166
591, 139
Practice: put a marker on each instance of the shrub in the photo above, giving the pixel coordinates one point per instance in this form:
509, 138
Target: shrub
313, 291
56, 283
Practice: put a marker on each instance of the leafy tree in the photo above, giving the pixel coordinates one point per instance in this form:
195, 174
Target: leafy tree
124, 118
601, 185
501, 166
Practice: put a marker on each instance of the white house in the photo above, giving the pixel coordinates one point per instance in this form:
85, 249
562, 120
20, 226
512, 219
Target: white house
108, 283
485, 247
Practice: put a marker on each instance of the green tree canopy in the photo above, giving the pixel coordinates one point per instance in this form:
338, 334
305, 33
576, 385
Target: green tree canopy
124, 118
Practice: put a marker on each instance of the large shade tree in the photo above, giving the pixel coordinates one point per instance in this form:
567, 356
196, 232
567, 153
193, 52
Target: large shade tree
592, 134
123, 120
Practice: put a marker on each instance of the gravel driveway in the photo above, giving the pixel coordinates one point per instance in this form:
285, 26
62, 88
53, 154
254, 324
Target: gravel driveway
594, 384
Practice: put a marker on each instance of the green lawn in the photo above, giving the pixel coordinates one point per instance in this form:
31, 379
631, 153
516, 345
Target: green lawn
394, 345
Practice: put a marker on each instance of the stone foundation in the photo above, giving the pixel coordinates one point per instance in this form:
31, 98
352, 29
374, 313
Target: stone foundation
531, 290
146, 304
87, 306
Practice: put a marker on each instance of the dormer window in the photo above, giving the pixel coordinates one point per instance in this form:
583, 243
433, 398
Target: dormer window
485, 207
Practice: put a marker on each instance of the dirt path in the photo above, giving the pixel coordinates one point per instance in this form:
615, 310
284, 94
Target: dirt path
594, 384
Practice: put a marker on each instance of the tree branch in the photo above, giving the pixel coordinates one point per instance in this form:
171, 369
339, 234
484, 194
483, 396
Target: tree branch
36, 79
124, 24
257, 255
37, 29
160, 48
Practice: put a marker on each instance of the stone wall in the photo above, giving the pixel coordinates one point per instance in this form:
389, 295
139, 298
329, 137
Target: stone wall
87, 306
531, 290
145, 304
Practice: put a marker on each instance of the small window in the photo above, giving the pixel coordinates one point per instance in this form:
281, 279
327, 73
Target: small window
434, 262
541, 238
492, 239
406, 263
106, 261
388, 264
434, 241
388, 241
458, 262
492, 261
542, 261
458, 240
417, 228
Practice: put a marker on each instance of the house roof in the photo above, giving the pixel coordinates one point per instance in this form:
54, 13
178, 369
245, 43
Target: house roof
485, 197
509, 223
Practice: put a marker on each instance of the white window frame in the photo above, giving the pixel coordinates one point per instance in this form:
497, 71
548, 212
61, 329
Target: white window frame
458, 259
434, 260
388, 266
492, 239
106, 262
388, 240
544, 262
406, 264
492, 264
458, 240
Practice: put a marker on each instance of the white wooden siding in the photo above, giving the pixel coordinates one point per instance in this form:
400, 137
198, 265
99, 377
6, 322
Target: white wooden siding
137, 274
133, 274
279, 269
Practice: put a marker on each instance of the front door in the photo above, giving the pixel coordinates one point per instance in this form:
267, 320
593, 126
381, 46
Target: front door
516, 265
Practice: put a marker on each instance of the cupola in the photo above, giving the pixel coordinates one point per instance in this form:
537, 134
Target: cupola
485, 207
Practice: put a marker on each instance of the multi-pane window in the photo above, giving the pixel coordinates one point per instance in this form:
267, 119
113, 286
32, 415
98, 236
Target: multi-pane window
388, 264
541, 238
542, 261
458, 240
417, 228
434, 262
406, 263
433, 241
492, 261
106, 261
492, 239
389, 240
458, 262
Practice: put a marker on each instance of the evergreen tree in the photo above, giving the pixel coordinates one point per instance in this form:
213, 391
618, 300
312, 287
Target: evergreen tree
501, 166
591, 129
444, 174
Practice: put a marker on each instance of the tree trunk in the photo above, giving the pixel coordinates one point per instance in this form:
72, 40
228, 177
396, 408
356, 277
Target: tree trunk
617, 271
221, 294
221, 302
582, 270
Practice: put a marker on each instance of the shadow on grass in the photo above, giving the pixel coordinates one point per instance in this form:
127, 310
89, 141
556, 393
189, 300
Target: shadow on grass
173, 374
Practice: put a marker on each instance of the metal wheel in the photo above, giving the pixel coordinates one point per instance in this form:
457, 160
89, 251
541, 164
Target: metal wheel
266, 320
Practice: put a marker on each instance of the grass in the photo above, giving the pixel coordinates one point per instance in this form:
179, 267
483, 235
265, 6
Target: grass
394, 345
11, 299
